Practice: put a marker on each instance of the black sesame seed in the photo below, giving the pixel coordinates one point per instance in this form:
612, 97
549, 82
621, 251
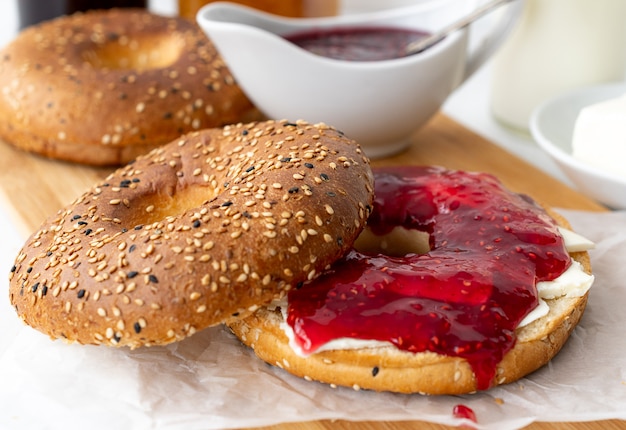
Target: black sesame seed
340, 241
138, 227
299, 285
247, 214
309, 165
124, 230
13, 269
290, 124
285, 159
137, 327
236, 314
375, 371
244, 132
136, 180
293, 190
153, 279
324, 176
132, 274
81, 294
132, 248
75, 217
34, 287
330, 194
116, 338
88, 232
82, 223
226, 204
197, 223
48, 254
249, 169
44, 290
30, 269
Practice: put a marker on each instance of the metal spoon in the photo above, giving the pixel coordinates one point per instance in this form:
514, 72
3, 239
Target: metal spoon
427, 42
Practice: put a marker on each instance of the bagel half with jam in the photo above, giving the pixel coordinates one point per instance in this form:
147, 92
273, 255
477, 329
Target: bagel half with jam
438, 297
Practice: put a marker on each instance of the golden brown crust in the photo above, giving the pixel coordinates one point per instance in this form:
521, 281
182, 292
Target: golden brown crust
102, 87
208, 227
390, 369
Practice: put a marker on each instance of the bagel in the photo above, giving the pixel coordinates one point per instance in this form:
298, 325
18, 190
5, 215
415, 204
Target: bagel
423, 332
104, 86
195, 233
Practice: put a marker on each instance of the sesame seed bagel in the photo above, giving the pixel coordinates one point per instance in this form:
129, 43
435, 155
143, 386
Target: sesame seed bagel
387, 368
197, 232
104, 86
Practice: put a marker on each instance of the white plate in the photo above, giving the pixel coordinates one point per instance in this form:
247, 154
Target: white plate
552, 126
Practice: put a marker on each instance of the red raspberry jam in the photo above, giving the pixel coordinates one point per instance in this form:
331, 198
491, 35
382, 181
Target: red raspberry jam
464, 412
358, 43
465, 297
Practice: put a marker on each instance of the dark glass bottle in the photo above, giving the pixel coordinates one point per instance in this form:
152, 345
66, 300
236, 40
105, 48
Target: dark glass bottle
34, 11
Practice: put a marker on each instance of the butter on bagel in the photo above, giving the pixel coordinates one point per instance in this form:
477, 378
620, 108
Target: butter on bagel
200, 231
104, 86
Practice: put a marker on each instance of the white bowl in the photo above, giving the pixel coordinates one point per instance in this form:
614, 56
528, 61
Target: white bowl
552, 126
380, 104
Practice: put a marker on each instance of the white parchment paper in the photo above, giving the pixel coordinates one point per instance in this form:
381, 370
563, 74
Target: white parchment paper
211, 382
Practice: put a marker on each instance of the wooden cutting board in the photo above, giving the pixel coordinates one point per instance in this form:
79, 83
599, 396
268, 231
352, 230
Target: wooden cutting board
33, 188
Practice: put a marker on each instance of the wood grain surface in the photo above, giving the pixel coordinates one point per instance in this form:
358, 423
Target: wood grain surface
32, 188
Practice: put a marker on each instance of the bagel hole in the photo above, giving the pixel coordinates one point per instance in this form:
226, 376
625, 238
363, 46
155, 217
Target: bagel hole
143, 53
399, 242
156, 207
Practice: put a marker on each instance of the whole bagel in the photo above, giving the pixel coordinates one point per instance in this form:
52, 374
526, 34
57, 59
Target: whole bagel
195, 233
102, 87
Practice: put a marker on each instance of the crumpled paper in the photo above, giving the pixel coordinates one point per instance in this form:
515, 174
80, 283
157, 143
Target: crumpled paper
210, 381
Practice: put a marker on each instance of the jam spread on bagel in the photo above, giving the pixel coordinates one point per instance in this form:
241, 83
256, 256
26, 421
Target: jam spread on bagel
464, 297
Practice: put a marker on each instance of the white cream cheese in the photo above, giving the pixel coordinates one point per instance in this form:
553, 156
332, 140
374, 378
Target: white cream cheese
574, 282
600, 136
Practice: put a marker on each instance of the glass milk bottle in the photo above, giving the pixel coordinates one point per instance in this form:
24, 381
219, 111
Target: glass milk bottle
556, 46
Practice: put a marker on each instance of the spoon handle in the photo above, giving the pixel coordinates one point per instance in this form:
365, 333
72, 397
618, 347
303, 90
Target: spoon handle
427, 42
